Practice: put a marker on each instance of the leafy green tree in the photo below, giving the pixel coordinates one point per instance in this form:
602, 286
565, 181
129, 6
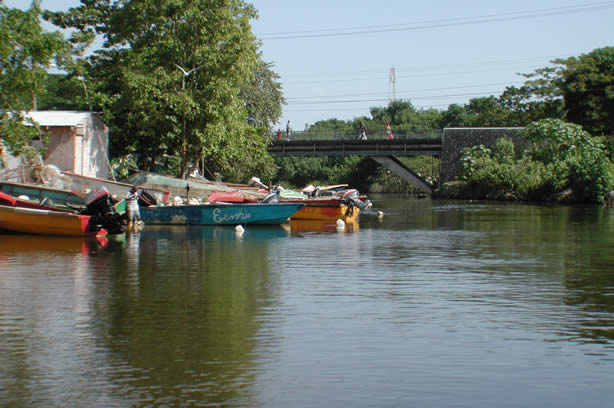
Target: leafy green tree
263, 97
170, 78
587, 86
332, 128
63, 92
569, 151
25, 53
405, 118
528, 104
577, 89
479, 112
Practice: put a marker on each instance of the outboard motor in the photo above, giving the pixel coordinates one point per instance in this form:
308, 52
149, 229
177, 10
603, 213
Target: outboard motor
147, 199
350, 197
271, 198
100, 208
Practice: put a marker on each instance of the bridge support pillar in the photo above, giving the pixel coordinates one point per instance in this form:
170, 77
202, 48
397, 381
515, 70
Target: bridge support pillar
397, 167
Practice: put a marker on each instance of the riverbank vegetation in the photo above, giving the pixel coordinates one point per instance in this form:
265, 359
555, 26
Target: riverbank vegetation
183, 84
559, 162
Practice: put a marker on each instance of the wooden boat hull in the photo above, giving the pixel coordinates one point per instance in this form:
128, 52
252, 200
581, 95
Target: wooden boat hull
44, 222
326, 213
325, 210
220, 214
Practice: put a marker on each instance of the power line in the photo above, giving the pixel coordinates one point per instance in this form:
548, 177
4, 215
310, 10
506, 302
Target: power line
441, 23
354, 109
416, 71
379, 71
420, 75
298, 98
463, 95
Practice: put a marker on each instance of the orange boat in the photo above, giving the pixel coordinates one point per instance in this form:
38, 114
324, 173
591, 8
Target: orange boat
346, 206
325, 209
46, 222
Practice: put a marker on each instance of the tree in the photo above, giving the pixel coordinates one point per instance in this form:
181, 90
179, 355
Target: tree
571, 155
62, 92
577, 89
263, 97
170, 77
479, 112
587, 86
25, 53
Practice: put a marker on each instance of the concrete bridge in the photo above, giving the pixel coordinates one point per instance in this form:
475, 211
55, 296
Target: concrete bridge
447, 146
382, 151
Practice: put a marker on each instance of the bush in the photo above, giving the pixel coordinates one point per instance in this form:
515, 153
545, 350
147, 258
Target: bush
573, 158
561, 157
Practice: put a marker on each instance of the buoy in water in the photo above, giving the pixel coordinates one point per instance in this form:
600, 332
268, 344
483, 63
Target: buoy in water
239, 230
380, 214
340, 225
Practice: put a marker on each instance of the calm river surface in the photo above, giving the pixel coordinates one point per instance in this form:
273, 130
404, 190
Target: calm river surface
438, 304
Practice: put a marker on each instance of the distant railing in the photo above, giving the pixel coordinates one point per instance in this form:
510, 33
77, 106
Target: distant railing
301, 135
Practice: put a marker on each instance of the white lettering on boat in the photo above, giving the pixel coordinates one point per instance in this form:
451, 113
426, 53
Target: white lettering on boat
240, 216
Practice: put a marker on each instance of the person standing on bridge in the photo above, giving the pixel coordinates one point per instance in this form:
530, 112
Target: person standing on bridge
362, 131
288, 130
389, 134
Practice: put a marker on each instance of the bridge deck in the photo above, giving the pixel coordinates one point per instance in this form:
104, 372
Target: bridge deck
409, 147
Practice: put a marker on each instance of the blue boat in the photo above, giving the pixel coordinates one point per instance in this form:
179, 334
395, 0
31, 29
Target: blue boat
220, 214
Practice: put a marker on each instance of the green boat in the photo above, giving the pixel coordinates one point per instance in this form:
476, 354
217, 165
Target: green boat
41, 193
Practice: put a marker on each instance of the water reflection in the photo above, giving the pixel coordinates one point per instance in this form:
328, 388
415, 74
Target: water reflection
434, 304
183, 315
307, 226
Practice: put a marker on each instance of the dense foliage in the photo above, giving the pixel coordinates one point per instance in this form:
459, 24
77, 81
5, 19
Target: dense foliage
562, 161
180, 83
25, 53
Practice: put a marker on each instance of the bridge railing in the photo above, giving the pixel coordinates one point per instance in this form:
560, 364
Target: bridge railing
434, 134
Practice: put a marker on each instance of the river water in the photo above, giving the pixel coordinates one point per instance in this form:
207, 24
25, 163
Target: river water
437, 304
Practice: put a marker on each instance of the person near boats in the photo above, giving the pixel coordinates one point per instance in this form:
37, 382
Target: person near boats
132, 208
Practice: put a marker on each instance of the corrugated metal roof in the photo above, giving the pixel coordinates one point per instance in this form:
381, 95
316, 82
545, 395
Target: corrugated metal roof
58, 118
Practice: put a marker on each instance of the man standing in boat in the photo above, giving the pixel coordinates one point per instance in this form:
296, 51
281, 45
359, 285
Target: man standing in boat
132, 208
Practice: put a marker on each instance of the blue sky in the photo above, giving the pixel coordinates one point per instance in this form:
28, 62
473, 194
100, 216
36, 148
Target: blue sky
334, 57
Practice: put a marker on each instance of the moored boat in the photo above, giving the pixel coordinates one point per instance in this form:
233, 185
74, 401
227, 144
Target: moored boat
8, 200
325, 210
43, 193
320, 208
344, 205
77, 182
188, 188
46, 222
40, 218
220, 214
